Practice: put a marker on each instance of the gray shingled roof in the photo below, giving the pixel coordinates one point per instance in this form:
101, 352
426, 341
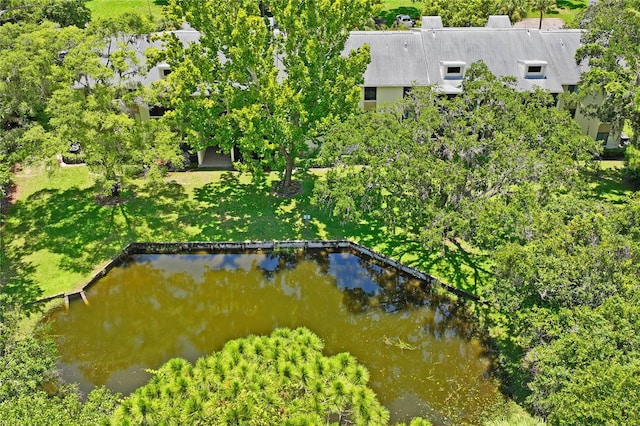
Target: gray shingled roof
397, 57
405, 58
504, 50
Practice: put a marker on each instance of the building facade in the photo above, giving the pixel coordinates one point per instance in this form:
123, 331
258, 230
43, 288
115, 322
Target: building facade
439, 56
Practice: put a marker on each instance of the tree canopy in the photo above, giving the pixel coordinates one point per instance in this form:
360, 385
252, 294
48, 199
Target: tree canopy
62, 12
501, 171
441, 168
610, 87
27, 368
260, 380
95, 107
267, 91
462, 13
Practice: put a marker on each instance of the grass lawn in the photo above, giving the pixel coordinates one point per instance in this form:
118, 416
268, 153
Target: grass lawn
609, 183
117, 7
566, 9
57, 236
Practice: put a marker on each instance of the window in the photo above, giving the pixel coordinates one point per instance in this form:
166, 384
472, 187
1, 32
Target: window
164, 70
370, 96
572, 88
370, 93
602, 136
156, 111
533, 69
452, 70
406, 91
603, 133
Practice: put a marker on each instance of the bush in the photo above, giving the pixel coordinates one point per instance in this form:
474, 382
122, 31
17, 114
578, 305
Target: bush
74, 158
613, 154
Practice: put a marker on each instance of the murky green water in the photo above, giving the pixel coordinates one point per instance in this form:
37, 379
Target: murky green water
420, 353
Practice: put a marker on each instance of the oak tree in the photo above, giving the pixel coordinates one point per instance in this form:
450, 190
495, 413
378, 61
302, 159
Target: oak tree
268, 91
432, 166
609, 88
96, 109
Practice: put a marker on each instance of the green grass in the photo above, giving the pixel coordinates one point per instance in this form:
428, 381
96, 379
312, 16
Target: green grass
104, 8
609, 183
57, 236
566, 9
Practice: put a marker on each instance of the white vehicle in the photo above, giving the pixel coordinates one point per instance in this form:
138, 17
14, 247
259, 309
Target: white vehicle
405, 20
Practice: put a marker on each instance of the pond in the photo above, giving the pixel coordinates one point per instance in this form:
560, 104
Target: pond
421, 353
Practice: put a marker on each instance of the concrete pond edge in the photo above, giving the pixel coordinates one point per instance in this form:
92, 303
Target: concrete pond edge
213, 247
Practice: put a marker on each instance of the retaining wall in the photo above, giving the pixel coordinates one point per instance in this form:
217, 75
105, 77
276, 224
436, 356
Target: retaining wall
211, 247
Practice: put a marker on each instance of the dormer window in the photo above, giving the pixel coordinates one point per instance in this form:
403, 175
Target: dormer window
452, 70
156, 111
534, 69
164, 70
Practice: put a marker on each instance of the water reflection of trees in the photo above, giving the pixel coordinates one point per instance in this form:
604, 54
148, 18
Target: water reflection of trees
288, 259
140, 315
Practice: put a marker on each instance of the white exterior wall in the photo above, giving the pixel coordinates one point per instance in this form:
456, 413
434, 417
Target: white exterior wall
591, 125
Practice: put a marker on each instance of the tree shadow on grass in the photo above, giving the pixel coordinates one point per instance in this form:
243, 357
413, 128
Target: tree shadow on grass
390, 15
457, 266
83, 234
570, 4
232, 210
610, 185
16, 281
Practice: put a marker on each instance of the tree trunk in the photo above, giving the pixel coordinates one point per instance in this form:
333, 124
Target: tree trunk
288, 172
540, 26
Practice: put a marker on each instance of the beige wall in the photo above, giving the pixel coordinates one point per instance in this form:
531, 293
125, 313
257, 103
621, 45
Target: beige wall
588, 125
383, 95
591, 125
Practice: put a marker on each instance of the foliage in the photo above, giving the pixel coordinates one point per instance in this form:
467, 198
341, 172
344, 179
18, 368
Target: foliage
29, 74
27, 366
443, 169
516, 10
62, 12
267, 92
462, 13
632, 162
278, 379
68, 12
25, 363
591, 374
610, 87
577, 268
65, 409
578, 253
542, 6
94, 110
500, 170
